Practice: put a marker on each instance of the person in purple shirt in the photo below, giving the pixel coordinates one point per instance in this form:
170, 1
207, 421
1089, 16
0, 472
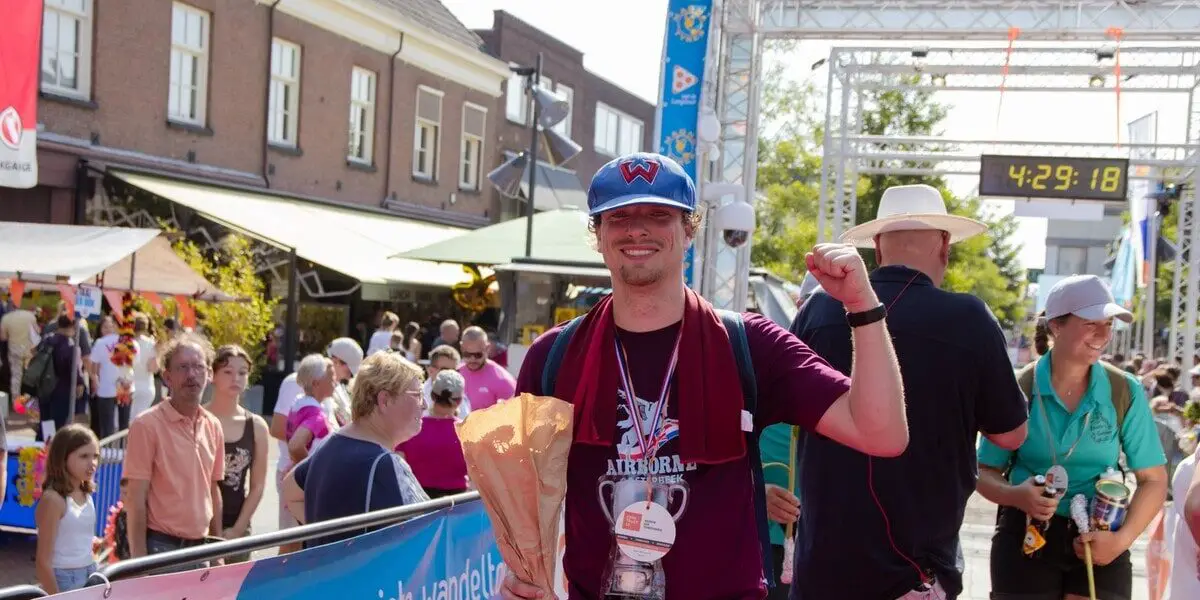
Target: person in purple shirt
655, 343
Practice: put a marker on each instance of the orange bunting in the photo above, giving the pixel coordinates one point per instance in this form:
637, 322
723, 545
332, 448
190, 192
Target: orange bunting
68, 297
1117, 33
16, 289
154, 301
1013, 34
187, 315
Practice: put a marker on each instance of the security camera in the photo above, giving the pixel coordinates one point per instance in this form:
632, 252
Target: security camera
736, 222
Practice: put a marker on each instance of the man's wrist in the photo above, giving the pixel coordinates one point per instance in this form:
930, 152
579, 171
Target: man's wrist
863, 305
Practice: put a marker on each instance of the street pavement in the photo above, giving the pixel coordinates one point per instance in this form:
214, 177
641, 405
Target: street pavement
17, 552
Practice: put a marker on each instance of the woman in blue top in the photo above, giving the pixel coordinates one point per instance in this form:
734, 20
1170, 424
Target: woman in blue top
1073, 430
355, 471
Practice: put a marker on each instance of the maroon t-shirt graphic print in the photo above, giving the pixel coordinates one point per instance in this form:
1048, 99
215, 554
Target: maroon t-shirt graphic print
716, 554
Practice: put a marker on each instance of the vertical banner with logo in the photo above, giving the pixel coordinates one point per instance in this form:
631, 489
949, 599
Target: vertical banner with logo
1142, 131
19, 45
685, 50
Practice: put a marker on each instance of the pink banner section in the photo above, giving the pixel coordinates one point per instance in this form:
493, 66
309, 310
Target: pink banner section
221, 583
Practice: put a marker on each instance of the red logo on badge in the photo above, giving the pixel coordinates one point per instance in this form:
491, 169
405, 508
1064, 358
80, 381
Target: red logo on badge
11, 128
632, 522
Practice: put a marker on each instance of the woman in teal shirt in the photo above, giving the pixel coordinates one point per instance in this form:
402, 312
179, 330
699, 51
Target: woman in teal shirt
1073, 423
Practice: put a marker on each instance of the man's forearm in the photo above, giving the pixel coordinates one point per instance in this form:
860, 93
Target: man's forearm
877, 391
135, 526
214, 526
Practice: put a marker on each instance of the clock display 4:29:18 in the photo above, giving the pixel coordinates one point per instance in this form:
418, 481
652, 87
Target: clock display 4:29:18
1064, 177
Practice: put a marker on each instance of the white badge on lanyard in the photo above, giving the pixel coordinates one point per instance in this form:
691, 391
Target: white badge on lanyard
645, 531
1056, 477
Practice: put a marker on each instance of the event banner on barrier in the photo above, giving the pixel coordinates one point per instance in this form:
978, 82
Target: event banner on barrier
448, 555
685, 50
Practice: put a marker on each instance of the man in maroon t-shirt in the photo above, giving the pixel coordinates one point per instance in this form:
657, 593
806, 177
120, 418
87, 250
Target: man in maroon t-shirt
642, 209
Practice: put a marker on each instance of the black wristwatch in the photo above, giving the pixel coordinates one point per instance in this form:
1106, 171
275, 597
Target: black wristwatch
866, 317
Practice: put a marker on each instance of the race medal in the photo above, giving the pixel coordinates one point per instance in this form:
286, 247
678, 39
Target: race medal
1033, 539
1056, 477
645, 531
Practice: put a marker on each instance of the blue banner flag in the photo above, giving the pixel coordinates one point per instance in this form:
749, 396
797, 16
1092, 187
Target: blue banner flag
685, 50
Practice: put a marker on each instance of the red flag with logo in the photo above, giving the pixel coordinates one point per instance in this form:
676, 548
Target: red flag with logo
20, 40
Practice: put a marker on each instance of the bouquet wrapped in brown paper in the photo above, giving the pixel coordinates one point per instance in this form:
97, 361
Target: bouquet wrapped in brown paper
516, 455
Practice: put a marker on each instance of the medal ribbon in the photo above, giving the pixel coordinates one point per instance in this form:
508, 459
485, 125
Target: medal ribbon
649, 449
1050, 436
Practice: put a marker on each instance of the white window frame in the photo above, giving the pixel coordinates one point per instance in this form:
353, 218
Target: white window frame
201, 55
622, 118
367, 106
564, 126
429, 174
516, 100
471, 181
280, 81
83, 49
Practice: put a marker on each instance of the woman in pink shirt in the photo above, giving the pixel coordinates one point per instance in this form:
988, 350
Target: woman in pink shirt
308, 423
435, 454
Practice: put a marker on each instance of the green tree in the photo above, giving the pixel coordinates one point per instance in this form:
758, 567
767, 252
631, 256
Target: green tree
245, 321
789, 180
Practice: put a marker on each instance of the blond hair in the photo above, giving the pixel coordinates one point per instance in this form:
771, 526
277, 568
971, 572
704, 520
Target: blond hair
380, 372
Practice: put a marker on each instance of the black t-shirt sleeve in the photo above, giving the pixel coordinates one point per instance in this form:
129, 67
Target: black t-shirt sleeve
529, 380
1000, 406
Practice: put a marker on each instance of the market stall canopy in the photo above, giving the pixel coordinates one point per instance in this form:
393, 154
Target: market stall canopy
36, 252
73, 254
357, 243
559, 236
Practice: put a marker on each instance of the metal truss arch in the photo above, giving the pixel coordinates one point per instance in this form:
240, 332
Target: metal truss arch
847, 153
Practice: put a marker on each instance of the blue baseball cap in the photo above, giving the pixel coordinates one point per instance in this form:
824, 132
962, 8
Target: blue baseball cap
641, 178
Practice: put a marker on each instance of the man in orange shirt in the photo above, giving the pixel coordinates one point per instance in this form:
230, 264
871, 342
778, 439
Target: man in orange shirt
175, 456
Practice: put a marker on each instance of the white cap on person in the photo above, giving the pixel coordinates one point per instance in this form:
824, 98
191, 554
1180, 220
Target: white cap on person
348, 351
1085, 296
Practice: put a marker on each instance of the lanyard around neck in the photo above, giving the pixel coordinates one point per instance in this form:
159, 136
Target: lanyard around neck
647, 443
1041, 402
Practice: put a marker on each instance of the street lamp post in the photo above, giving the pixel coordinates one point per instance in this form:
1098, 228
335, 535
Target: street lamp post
547, 109
534, 81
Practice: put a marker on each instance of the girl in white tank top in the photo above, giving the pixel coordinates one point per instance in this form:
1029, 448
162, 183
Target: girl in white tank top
65, 514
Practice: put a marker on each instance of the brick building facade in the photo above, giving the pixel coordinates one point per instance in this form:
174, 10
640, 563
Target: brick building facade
606, 120
371, 103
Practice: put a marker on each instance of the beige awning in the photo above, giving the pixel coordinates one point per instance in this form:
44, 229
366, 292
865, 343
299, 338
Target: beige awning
357, 243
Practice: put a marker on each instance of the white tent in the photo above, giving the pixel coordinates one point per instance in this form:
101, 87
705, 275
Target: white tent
117, 258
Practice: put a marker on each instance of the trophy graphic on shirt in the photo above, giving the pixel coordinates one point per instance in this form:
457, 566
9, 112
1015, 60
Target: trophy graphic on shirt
634, 570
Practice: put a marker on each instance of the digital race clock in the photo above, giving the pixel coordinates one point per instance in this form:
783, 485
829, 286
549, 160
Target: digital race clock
1044, 177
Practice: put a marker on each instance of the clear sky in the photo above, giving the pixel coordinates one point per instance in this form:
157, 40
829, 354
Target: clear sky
623, 43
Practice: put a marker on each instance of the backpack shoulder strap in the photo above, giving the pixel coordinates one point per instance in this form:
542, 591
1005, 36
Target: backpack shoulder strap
557, 350
1122, 397
735, 326
1026, 379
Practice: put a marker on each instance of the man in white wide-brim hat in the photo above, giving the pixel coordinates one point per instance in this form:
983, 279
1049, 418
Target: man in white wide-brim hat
958, 381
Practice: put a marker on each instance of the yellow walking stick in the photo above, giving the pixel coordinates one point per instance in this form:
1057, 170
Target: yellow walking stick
1080, 516
789, 545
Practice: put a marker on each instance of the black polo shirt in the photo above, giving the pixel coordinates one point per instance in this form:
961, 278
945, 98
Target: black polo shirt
957, 380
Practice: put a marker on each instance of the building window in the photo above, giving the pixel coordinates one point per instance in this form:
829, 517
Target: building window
564, 126
67, 48
362, 115
1072, 260
428, 129
616, 132
474, 128
285, 93
189, 65
515, 101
